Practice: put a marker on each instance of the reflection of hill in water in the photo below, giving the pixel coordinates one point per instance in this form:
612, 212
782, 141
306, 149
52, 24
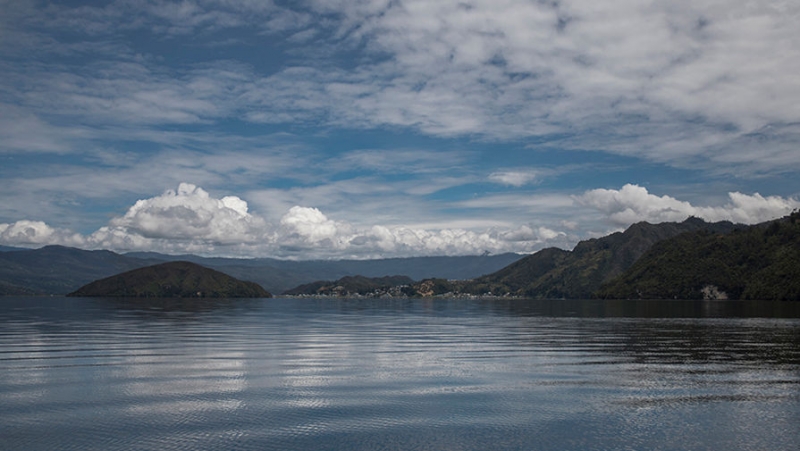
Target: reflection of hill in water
176, 308
119, 315
627, 308
699, 333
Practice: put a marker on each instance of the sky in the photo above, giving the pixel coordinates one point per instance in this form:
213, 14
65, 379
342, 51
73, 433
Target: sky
314, 129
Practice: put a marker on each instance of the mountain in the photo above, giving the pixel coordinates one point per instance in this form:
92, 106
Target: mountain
170, 280
556, 273
11, 249
354, 285
9, 289
758, 262
60, 270
278, 276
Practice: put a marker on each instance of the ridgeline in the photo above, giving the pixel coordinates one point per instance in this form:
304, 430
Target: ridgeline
578, 274
687, 260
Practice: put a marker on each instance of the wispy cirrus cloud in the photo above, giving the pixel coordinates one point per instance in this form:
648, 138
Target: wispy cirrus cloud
514, 178
676, 83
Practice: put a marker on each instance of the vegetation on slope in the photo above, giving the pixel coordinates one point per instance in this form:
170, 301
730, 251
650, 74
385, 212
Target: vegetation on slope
353, 285
555, 273
59, 269
173, 279
759, 262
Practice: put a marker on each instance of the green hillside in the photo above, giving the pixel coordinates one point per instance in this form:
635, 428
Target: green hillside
556, 273
759, 262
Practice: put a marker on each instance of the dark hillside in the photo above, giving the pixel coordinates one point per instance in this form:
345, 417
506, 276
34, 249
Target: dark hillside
555, 273
59, 269
170, 280
758, 262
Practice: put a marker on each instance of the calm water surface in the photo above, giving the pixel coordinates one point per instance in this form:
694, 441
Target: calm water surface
101, 374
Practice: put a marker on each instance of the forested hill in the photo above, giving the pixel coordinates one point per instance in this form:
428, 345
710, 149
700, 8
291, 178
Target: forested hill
758, 262
58, 269
173, 279
556, 273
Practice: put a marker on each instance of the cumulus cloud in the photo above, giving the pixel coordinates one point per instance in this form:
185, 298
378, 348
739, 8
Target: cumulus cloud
634, 203
189, 219
306, 230
30, 233
308, 227
190, 213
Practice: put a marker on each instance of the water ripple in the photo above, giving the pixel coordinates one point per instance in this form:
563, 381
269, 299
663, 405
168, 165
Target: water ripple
357, 375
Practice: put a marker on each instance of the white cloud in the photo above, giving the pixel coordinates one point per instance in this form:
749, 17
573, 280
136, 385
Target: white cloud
535, 203
305, 230
513, 178
308, 227
750, 209
135, 92
682, 82
191, 214
189, 219
22, 131
30, 233
634, 203
404, 160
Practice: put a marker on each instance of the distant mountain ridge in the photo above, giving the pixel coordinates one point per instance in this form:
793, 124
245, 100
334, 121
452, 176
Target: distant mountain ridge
178, 279
11, 249
550, 273
278, 276
686, 260
60, 270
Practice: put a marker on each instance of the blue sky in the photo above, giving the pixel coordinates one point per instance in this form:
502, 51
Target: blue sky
363, 129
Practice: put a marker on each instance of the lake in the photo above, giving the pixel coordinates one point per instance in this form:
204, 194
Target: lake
390, 374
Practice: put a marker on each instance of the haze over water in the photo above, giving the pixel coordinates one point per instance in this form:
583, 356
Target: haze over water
398, 375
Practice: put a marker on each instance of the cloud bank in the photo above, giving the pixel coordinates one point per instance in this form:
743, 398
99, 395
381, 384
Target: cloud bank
634, 203
189, 219
681, 82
